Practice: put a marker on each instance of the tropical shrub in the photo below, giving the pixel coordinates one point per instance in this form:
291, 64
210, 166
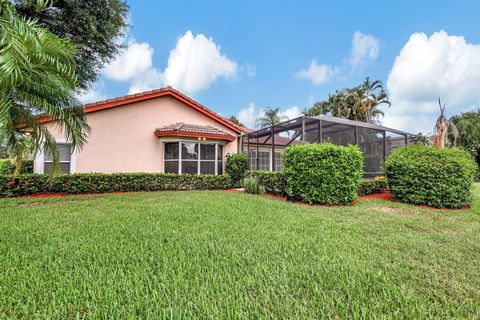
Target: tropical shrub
7, 167
369, 186
323, 173
236, 167
441, 178
252, 186
273, 181
117, 182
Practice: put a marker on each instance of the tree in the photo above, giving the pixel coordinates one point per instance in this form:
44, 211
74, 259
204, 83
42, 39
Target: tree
95, 27
468, 126
37, 77
270, 117
235, 120
359, 103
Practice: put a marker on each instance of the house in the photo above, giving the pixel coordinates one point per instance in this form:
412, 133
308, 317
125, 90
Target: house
165, 131
156, 131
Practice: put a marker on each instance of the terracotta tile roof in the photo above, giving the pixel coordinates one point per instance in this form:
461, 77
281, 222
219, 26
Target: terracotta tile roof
181, 129
167, 91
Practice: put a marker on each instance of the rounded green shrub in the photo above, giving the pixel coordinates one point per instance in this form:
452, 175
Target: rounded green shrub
440, 178
323, 173
236, 167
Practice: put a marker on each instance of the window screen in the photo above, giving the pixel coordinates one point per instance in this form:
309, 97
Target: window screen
65, 154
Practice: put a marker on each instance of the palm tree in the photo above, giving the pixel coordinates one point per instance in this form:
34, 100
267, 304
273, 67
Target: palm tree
235, 120
369, 96
37, 77
359, 103
270, 117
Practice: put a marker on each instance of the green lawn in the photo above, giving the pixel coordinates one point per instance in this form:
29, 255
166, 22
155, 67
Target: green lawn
215, 254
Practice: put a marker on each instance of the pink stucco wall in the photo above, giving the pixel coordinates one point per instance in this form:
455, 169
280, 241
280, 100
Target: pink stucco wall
122, 138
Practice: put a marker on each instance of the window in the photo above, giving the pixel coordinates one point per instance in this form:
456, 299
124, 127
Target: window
193, 158
65, 153
278, 161
189, 157
207, 158
171, 157
263, 160
252, 159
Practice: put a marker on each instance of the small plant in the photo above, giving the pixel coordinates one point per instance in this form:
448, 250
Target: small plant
236, 167
369, 186
272, 181
252, 186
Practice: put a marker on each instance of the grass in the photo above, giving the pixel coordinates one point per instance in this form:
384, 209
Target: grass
214, 254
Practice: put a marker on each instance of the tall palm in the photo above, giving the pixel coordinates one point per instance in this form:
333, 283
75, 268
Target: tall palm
359, 103
270, 117
37, 77
367, 98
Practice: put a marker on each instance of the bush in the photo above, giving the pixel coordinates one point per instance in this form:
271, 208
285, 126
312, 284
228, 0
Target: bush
7, 168
323, 173
369, 186
440, 178
116, 182
236, 167
252, 186
272, 181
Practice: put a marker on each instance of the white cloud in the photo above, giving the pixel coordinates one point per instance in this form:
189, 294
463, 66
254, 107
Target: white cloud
249, 115
193, 65
132, 62
291, 113
149, 80
365, 48
318, 73
92, 95
428, 67
196, 62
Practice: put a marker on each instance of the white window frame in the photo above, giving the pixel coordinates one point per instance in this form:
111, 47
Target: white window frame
179, 142
39, 163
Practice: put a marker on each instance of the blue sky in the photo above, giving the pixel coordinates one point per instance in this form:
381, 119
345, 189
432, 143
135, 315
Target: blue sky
239, 57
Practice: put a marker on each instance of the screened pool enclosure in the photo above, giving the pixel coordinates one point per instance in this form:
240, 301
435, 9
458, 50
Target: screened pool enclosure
264, 147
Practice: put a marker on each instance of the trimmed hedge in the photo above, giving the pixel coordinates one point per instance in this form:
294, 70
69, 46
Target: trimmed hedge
236, 167
369, 186
323, 173
117, 182
440, 178
273, 181
7, 168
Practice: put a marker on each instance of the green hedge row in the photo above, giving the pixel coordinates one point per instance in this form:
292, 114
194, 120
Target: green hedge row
6, 167
369, 186
117, 182
441, 178
323, 173
273, 181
